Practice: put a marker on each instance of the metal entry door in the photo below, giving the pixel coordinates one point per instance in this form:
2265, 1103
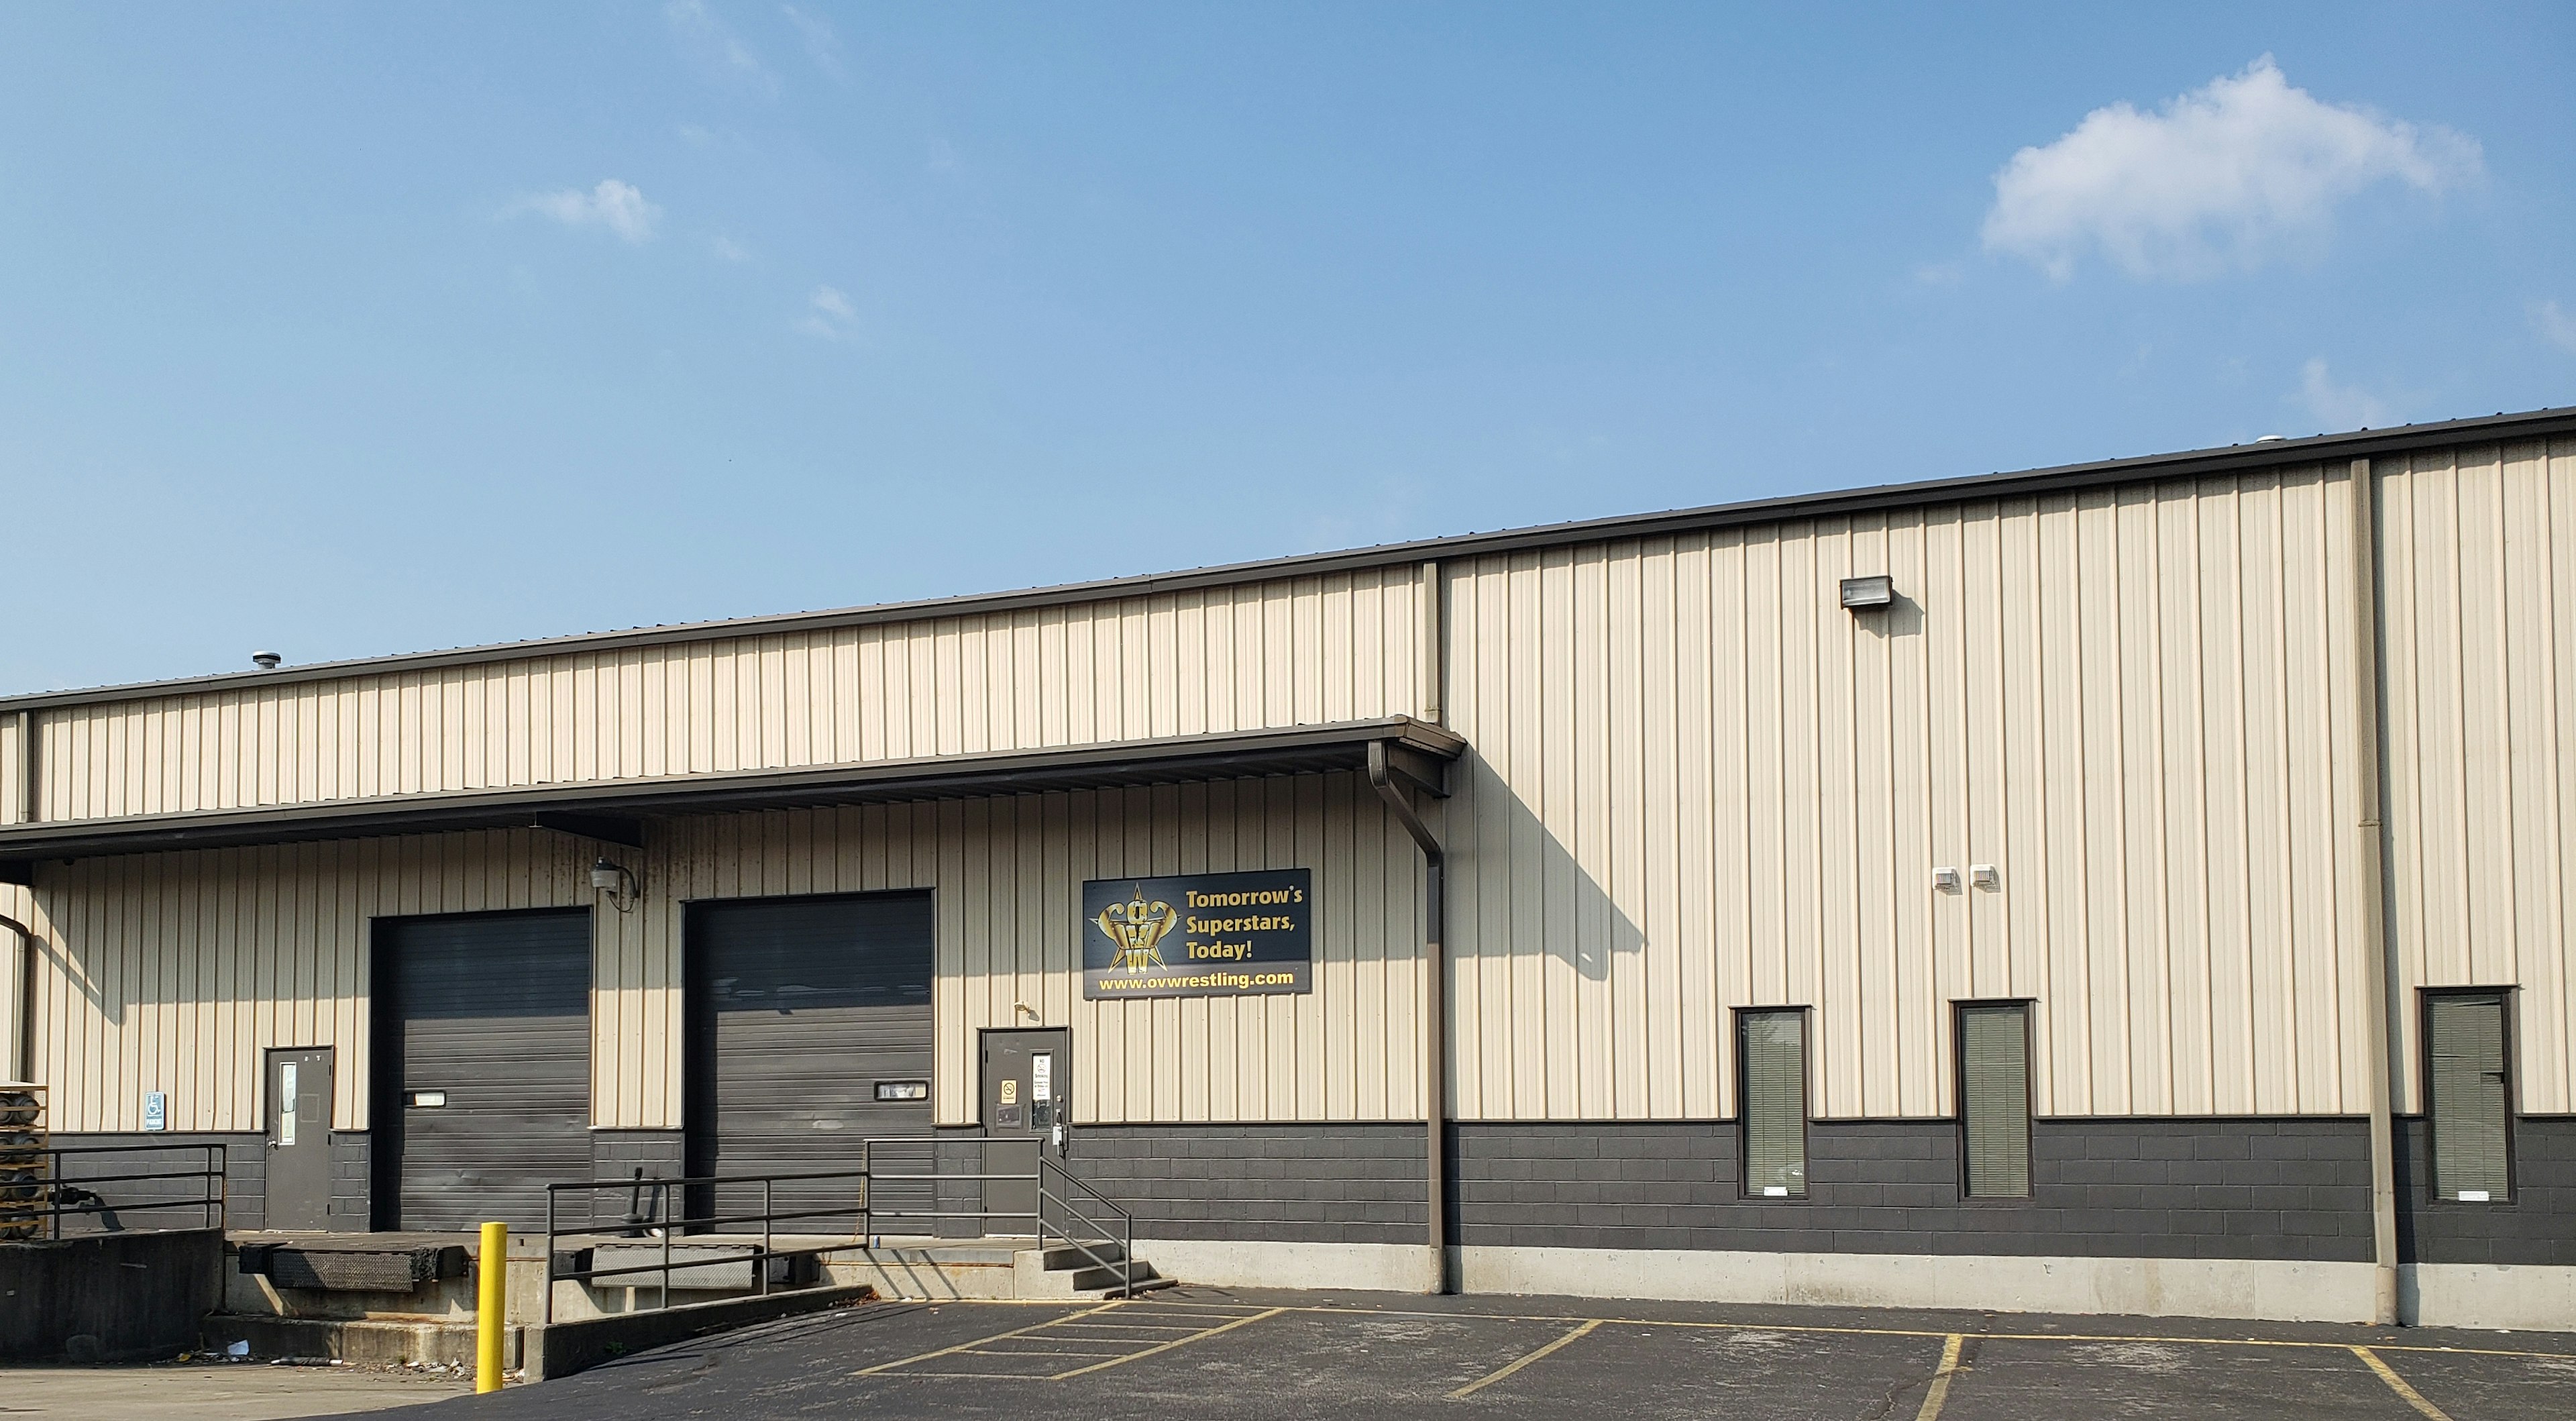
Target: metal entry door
298, 1175
1028, 1081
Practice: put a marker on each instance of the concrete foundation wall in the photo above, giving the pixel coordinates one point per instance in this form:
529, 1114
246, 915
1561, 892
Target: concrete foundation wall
138, 1295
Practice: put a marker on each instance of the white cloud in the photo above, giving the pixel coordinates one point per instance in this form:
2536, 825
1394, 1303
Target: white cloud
619, 207
2222, 177
822, 42
2555, 326
728, 250
2340, 407
828, 314
711, 44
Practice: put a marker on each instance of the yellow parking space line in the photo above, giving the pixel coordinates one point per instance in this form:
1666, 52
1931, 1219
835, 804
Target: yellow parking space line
1940, 1392
1918, 1331
966, 1346
1167, 1346
2398, 1384
1523, 1360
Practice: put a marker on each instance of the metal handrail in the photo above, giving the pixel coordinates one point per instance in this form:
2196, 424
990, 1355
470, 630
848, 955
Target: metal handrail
768, 1218
1126, 1216
214, 1192
1067, 1207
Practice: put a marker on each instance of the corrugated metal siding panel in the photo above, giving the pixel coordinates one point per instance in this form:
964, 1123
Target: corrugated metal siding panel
1697, 783
13, 770
1006, 876
1293, 652
173, 972
2480, 594
170, 972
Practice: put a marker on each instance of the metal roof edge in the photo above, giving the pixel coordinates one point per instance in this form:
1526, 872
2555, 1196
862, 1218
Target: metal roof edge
2150, 468
739, 788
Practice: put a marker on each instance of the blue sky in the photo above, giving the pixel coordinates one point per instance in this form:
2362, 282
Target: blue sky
348, 329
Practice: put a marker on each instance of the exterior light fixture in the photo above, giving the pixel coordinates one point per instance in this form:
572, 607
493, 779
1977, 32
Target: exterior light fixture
1863, 594
1985, 876
1945, 880
618, 882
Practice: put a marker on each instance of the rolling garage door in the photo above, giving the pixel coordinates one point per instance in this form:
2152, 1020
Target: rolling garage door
482, 1067
799, 1010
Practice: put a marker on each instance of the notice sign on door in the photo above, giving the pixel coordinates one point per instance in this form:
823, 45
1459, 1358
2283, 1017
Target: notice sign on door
1202, 935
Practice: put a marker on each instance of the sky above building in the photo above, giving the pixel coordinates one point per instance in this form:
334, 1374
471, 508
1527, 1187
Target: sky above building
349, 329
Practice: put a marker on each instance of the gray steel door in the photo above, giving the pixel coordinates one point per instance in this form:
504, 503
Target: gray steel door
1027, 1085
490, 1030
810, 1032
297, 1185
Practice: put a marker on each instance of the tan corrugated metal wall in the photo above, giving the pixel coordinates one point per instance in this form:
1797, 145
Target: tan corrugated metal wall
2479, 582
171, 971
1700, 784
1696, 784
1285, 652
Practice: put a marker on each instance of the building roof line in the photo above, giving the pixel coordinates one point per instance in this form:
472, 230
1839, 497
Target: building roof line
2153, 468
593, 808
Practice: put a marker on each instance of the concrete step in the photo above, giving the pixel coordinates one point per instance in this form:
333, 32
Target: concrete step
368, 1342
1105, 1282
1065, 1255
1031, 1279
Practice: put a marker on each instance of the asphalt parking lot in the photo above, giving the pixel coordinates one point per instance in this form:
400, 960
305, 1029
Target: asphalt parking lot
1195, 1352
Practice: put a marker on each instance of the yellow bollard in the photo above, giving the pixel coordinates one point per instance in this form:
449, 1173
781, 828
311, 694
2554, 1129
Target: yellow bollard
491, 1304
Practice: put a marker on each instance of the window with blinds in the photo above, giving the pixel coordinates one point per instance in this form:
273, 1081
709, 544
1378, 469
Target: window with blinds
1994, 1098
1771, 1098
2468, 1096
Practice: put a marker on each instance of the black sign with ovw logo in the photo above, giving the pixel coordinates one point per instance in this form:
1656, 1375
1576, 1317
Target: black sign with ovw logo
1201, 935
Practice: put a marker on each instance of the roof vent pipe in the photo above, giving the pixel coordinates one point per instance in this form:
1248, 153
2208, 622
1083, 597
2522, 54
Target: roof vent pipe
266, 660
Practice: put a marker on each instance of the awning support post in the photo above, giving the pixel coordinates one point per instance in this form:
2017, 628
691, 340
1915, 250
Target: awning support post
1435, 1023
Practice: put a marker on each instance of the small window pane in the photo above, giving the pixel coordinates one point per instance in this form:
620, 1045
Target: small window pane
2468, 1097
1994, 1098
1773, 1099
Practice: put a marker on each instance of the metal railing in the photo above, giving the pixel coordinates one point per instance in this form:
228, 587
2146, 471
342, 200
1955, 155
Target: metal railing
29, 1195
1044, 1223
667, 1228
1059, 1198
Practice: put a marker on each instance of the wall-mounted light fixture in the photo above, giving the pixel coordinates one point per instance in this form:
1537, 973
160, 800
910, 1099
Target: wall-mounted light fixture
1985, 876
618, 882
1866, 594
1945, 880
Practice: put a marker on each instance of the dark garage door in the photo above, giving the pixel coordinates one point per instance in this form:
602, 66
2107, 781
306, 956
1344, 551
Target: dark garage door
799, 1009
482, 1067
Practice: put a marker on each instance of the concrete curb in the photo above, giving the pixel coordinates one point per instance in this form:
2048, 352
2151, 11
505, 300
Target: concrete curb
565, 1348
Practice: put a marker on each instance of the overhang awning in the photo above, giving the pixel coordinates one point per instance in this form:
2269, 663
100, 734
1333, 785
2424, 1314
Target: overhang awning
614, 810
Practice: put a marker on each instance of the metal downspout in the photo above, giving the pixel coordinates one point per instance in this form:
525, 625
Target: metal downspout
1435, 1022
2370, 752
22, 1024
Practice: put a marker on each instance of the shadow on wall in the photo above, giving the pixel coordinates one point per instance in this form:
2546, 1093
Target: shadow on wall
1520, 873
1902, 617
